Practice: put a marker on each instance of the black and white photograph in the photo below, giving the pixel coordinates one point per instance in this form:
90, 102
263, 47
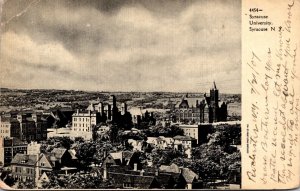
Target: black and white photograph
120, 94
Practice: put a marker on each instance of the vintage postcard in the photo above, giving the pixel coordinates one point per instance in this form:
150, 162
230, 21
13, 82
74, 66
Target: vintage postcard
149, 94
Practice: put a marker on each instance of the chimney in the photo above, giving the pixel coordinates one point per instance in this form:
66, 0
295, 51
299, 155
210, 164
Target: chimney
135, 166
142, 172
105, 172
156, 172
77, 111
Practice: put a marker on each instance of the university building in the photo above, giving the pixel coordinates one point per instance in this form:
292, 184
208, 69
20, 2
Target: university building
83, 121
24, 126
196, 110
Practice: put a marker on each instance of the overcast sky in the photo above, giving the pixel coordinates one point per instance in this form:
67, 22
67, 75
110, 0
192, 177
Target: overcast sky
121, 45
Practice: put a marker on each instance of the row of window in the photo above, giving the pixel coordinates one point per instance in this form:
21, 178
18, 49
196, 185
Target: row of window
87, 119
4, 131
79, 129
5, 125
81, 125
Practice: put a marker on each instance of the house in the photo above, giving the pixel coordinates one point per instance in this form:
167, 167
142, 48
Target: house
29, 167
187, 179
130, 181
184, 142
124, 177
61, 157
123, 158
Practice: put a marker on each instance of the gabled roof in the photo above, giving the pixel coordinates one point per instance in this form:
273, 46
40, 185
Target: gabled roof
189, 175
24, 159
164, 178
122, 155
30, 160
58, 152
137, 181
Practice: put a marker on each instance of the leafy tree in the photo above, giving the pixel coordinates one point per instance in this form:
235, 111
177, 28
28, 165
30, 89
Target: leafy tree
113, 133
29, 184
7, 178
85, 154
164, 157
65, 142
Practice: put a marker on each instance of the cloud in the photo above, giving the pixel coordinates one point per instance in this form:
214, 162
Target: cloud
124, 45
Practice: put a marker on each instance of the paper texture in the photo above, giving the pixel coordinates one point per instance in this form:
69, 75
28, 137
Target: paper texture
270, 104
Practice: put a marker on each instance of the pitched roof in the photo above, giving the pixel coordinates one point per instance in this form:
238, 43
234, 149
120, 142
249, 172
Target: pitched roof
190, 101
58, 152
24, 159
164, 178
189, 175
122, 155
137, 181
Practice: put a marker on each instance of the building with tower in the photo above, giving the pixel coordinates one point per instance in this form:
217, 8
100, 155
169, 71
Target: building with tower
205, 110
84, 120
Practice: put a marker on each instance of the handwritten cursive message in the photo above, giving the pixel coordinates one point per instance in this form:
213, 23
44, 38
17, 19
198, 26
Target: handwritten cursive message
272, 136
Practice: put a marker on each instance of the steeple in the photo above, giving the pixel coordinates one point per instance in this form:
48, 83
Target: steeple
215, 87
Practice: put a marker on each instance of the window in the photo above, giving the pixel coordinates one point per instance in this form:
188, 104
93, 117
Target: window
42, 164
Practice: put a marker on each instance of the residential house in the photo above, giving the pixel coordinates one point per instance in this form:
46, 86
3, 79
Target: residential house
188, 179
30, 167
130, 181
61, 157
123, 158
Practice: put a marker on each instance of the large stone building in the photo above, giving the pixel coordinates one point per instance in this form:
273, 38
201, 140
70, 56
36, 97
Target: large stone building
9, 147
83, 121
24, 125
196, 110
